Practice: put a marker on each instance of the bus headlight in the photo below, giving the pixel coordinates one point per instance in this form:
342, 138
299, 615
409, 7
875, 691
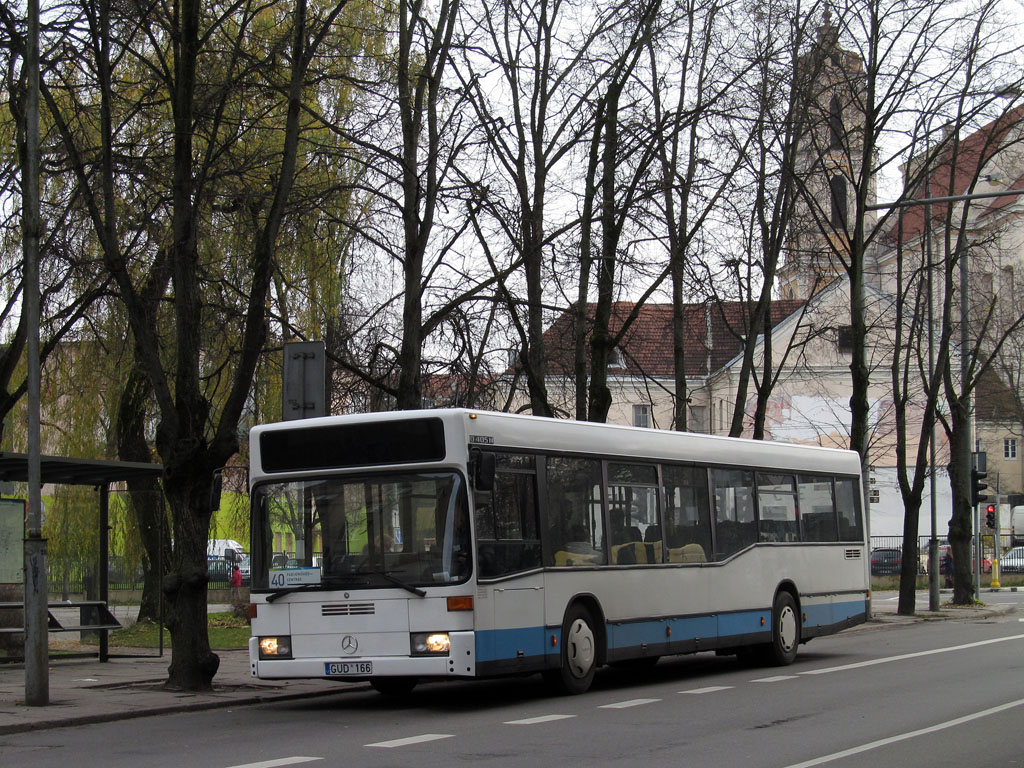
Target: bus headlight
431, 644
278, 647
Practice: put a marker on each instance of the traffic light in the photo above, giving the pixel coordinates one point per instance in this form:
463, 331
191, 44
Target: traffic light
977, 497
990, 516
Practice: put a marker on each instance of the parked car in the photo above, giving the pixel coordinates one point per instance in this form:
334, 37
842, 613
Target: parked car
243, 567
1012, 561
886, 561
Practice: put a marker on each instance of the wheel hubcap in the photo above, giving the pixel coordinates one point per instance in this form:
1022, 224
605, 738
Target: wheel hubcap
787, 628
580, 648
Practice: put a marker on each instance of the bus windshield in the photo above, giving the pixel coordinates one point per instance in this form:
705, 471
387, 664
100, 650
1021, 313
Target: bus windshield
366, 531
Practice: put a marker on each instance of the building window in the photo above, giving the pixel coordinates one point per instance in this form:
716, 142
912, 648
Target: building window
641, 415
1010, 448
844, 338
698, 418
835, 124
837, 186
616, 359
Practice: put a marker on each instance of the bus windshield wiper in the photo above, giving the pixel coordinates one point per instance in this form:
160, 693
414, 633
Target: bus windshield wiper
288, 590
329, 582
398, 582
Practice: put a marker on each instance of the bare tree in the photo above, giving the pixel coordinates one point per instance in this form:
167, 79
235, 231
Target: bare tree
881, 60
534, 81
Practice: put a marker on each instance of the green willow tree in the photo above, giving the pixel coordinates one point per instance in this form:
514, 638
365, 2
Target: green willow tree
225, 88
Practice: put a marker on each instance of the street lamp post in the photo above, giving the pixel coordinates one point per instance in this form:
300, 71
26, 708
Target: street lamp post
37, 681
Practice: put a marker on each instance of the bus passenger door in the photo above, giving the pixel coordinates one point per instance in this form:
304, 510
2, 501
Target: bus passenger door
515, 641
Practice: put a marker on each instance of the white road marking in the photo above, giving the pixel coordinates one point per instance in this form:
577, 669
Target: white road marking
280, 761
411, 740
710, 689
538, 720
630, 702
909, 735
775, 679
904, 656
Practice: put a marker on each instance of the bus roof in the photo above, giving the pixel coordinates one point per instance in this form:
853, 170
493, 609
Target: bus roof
496, 430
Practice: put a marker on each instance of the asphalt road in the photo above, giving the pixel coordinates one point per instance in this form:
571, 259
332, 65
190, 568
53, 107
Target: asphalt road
940, 693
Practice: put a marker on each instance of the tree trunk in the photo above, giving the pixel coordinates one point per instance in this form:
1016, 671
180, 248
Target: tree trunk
145, 495
193, 664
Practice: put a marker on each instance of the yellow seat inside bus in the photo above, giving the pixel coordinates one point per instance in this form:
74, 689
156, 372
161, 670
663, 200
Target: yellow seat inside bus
688, 553
563, 558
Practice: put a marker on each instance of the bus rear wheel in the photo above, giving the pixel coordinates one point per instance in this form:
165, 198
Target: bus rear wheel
781, 651
579, 653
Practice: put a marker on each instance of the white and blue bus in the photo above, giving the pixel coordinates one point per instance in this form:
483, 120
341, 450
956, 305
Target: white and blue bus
417, 545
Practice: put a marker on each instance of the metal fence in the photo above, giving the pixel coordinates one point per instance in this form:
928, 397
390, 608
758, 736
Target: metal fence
887, 553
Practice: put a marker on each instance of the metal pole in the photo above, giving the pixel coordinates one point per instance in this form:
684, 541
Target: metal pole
104, 542
933, 547
966, 461
37, 681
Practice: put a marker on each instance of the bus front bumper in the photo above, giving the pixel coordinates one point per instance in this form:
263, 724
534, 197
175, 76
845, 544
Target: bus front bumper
460, 661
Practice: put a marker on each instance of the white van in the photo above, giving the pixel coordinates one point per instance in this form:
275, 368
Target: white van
224, 549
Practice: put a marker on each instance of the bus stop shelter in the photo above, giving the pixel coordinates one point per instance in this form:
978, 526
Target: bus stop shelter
98, 473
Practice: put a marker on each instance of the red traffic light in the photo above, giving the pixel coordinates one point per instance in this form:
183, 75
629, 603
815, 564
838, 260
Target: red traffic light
991, 508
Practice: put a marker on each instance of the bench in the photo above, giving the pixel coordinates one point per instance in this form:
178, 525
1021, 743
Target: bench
92, 615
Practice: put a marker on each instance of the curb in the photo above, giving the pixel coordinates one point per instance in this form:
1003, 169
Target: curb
172, 709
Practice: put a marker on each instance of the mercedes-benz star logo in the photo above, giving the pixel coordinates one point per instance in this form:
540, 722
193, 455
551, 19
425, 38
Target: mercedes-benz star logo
349, 644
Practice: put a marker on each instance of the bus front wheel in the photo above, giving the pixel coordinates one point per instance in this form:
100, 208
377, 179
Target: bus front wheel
579, 653
785, 632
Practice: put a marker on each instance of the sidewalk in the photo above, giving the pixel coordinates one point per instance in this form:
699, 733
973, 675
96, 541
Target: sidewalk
87, 691
83, 691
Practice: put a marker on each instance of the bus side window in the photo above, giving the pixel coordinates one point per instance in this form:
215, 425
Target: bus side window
575, 520
507, 528
847, 503
776, 505
817, 508
735, 521
633, 511
687, 514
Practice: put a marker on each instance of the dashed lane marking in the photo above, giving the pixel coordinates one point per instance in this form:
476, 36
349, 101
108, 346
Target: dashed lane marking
539, 720
628, 704
411, 740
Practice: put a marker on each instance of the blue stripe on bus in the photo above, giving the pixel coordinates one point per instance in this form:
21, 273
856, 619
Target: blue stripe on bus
498, 644
829, 614
501, 644
634, 633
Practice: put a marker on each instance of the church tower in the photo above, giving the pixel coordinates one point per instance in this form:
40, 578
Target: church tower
830, 144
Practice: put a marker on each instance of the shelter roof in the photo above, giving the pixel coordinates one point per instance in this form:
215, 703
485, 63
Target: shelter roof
68, 471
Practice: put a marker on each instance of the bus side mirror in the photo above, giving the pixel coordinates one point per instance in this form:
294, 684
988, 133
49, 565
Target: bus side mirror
483, 470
